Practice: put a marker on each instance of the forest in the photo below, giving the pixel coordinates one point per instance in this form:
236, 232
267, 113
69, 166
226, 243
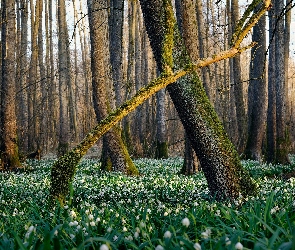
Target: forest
147, 124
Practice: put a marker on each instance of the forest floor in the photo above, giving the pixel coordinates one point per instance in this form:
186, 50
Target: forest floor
160, 209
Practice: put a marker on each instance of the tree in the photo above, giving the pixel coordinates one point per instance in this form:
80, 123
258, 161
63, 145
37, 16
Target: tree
9, 157
190, 31
64, 168
238, 84
64, 67
219, 160
257, 99
115, 157
277, 131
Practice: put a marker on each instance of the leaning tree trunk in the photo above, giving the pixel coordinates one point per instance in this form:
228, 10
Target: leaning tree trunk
218, 157
115, 155
189, 27
214, 140
257, 94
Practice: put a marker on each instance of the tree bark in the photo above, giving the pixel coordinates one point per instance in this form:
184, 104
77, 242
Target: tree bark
238, 86
280, 88
9, 157
64, 67
115, 155
271, 110
219, 160
257, 98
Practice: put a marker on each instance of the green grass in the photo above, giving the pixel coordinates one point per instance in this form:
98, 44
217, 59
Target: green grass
113, 211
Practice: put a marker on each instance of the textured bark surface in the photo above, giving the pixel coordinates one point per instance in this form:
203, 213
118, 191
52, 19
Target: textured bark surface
116, 46
189, 27
219, 160
257, 99
9, 158
191, 162
238, 86
282, 139
64, 79
115, 152
161, 135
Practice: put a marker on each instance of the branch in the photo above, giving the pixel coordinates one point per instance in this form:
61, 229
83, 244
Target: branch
250, 24
222, 56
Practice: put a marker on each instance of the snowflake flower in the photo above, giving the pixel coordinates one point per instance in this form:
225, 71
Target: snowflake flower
167, 234
239, 246
185, 222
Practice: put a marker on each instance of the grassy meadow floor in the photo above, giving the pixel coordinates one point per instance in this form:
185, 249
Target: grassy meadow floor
158, 210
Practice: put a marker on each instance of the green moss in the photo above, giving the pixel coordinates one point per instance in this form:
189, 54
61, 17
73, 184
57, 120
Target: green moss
161, 150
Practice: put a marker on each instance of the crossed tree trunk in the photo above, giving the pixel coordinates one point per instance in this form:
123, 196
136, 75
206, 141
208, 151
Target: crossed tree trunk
220, 162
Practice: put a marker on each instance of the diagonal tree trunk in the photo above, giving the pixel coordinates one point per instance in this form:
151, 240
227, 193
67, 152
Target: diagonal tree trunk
219, 160
209, 129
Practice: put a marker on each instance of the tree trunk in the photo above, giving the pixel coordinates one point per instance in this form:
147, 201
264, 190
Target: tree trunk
189, 27
9, 157
280, 88
161, 136
257, 94
64, 79
238, 86
115, 155
219, 160
271, 110
191, 162
116, 46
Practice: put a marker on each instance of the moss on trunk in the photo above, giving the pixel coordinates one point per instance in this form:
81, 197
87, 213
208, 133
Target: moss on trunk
219, 160
63, 170
161, 150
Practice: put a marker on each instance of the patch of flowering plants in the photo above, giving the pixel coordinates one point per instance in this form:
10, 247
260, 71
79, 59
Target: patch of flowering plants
160, 209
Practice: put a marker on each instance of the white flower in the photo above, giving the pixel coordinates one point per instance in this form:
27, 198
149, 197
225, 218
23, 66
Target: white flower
72, 236
239, 246
167, 234
159, 247
71, 224
227, 241
104, 247
115, 237
142, 224
97, 219
206, 234
66, 207
185, 222
55, 232
165, 214
124, 229
130, 238
109, 229
92, 223
31, 229
136, 234
197, 246
90, 217
72, 213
